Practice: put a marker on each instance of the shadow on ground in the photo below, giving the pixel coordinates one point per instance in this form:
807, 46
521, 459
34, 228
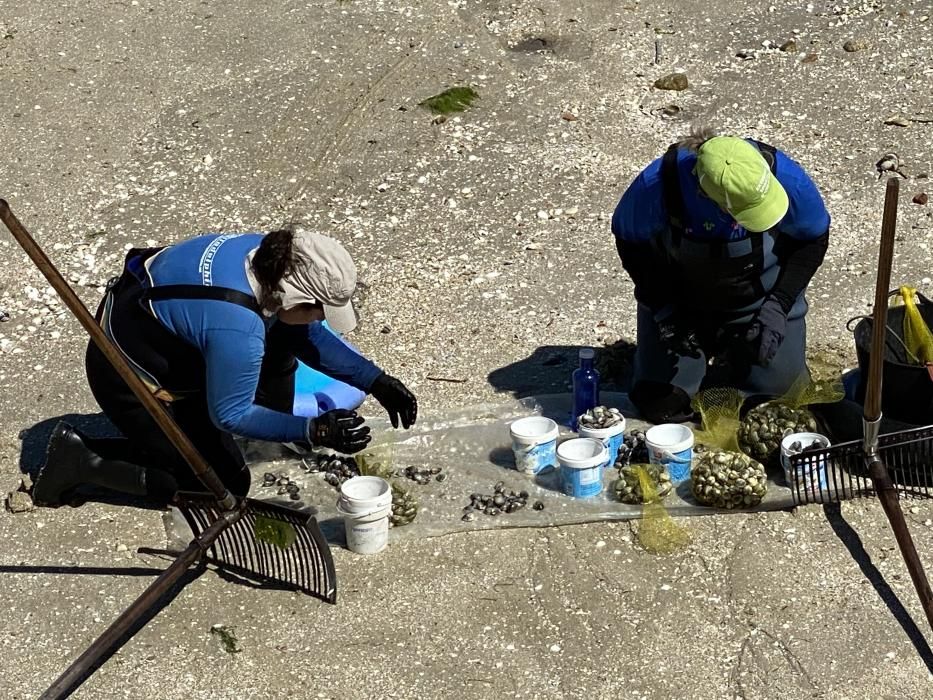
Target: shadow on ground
548, 369
850, 538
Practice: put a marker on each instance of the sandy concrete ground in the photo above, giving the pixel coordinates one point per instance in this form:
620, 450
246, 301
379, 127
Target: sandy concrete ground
485, 250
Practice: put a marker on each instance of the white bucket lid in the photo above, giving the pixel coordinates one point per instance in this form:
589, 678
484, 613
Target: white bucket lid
673, 437
582, 453
537, 428
365, 489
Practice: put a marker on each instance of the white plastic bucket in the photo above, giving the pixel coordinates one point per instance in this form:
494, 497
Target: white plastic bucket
534, 443
582, 461
671, 445
811, 476
610, 437
365, 503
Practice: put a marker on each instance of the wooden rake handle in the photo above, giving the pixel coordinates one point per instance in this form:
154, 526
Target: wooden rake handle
880, 309
175, 435
880, 477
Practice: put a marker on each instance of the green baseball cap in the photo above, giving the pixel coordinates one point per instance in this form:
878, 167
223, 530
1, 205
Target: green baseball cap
734, 174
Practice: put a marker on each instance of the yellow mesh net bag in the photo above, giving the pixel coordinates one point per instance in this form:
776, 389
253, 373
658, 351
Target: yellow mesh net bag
761, 431
722, 475
917, 335
657, 533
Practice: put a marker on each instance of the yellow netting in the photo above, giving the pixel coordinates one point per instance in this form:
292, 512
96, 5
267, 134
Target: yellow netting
719, 410
806, 391
917, 335
658, 533
378, 459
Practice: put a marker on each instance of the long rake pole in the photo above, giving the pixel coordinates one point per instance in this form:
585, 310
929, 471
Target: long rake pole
74, 675
203, 470
233, 511
872, 419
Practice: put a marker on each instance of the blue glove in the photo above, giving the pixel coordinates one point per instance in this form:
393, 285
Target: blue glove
766, 332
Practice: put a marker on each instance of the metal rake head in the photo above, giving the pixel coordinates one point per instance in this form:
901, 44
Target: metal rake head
838, 473
269, 543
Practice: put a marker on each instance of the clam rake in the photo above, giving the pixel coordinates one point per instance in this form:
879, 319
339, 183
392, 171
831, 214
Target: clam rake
248, 538
866, 467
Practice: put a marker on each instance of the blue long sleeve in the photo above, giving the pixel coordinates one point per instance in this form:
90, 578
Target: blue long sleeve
233, 339
233, 358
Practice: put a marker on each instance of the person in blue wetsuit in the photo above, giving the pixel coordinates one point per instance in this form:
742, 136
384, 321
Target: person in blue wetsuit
721, 237
215, 326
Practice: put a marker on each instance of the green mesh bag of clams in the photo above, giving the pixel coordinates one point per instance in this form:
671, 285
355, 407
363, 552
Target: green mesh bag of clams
763, 428
722, 476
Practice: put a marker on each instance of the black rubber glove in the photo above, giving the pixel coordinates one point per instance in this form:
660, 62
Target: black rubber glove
675, 332
396, 399
340, 430
766, 333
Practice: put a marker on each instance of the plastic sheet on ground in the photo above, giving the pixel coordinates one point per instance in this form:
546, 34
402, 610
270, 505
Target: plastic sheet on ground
472, 446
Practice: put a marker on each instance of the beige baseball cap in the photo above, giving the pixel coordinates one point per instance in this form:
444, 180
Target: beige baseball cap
324, 273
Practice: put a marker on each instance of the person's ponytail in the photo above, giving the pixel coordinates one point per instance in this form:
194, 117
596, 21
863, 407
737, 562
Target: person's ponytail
272, 261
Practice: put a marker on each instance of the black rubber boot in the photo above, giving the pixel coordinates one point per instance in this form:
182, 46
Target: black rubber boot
69, 464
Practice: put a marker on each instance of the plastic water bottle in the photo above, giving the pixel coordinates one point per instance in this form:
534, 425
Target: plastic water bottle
585, 386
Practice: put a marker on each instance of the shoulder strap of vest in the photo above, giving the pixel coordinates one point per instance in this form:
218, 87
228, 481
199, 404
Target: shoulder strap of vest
197, 291
769, 153
673, 197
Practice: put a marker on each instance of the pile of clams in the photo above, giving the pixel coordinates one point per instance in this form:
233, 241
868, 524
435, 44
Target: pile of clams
764, 427
628, 486
633, 450
498, 502
335, 468
404, 506
601, 417
726, 479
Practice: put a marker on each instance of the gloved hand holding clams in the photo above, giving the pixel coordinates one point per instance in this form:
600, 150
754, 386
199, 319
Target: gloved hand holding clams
677, 334
340, 430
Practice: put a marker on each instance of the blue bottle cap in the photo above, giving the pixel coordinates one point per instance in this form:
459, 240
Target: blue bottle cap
587, 353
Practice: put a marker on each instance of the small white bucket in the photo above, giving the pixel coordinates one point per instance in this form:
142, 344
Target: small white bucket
671, 445
365, 503
811, 476
534, 442
582, 461
610, 437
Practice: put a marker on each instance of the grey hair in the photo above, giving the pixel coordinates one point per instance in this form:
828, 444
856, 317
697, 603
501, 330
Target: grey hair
697, 137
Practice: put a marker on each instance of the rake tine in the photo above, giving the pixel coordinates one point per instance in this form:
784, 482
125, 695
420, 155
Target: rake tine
305, 565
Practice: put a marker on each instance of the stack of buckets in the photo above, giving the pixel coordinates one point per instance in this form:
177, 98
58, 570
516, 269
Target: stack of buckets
365, 503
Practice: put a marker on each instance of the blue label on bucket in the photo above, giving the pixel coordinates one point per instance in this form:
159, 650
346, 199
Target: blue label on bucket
582, 483
676, 463
811, 478
613, 444
534, 459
